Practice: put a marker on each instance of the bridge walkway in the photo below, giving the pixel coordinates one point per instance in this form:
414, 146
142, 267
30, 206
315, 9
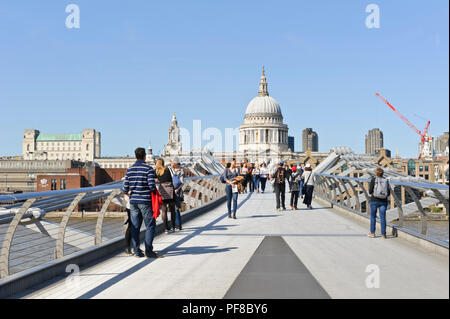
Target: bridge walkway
318, 253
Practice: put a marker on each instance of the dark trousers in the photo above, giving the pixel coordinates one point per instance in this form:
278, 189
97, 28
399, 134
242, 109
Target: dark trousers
231, 197
128, 231
251, 185
263, 181
169, 205
294, 198
308, 194
280, 190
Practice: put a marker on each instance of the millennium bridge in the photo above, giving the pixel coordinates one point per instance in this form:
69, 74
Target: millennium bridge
319, 253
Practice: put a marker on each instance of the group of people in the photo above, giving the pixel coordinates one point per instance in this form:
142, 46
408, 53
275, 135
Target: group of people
301, 184
147, 192
249, 177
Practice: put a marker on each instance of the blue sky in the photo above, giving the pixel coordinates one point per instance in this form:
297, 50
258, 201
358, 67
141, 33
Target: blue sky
131, 64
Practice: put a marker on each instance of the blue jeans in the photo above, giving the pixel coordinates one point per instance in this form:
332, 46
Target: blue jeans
139, 212
373, 215
301, 188
256, 181
231, 196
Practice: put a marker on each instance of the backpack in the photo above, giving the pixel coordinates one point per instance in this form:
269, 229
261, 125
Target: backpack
176, 181
222, 177
280, 176
380, 189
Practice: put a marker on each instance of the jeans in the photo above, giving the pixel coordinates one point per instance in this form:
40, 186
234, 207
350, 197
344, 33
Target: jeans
294, 198
280, 190
256, 181
139, 213
373, 215
231, 196
263, 181
301, 187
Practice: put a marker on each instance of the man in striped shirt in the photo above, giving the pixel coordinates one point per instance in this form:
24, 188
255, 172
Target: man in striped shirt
140, 183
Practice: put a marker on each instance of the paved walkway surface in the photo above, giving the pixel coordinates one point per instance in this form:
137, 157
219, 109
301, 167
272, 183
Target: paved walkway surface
316, 253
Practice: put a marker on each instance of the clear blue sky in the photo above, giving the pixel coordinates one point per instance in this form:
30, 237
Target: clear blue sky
132, 63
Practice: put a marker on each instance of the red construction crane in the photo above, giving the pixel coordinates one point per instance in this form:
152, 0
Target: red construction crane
423, 135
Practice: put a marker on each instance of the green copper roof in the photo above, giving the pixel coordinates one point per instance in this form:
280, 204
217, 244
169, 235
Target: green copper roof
59, 137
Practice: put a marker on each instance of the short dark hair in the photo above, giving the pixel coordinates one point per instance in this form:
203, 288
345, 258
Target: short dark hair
140, 153
228, 165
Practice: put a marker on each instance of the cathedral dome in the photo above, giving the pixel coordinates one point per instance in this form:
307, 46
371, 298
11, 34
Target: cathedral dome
263, 105
263, 108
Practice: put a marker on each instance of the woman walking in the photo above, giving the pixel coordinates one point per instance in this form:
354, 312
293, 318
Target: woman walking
166, 190
308, 185
251, 185
379, 192
231, 189
295, 187
256, 177
178, 181
244, 173
263, 174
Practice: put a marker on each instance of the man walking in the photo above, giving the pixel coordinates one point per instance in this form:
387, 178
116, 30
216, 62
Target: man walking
280, 176
140, 183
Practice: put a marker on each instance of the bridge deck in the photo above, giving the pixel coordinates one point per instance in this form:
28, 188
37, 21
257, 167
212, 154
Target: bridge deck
320, 253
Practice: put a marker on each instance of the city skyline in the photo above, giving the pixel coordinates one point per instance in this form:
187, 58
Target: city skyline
154, 59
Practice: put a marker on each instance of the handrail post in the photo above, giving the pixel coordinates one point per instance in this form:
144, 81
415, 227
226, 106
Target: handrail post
7, 241
59, 250
101, 216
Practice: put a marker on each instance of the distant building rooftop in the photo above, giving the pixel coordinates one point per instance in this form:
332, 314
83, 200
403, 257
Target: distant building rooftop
59, 137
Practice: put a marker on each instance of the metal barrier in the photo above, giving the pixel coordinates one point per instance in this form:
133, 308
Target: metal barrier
351, 193
28, 240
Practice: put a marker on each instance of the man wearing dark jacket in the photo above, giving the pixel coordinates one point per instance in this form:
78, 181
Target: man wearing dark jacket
279, 185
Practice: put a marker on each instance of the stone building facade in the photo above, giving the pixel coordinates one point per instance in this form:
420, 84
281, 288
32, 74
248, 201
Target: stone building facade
81, 147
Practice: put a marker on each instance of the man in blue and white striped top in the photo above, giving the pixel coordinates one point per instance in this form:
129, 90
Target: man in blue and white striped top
140, 183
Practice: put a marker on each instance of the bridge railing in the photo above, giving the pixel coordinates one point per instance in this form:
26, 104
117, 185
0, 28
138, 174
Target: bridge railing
352, 193
29, 237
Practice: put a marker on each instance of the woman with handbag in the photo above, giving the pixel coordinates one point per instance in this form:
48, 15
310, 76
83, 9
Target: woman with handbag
166, 189
308, 186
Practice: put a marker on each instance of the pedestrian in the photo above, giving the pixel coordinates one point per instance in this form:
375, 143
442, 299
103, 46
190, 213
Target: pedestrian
140, 183
288, 174
263, 175
231, 189
308, 185
295, 187
379, 192
300, 170
244, 173
251, 185
128, 250
256, 173
178, 182
280, 176
167, 192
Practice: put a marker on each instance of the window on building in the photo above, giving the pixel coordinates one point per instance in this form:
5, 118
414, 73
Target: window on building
426, 168
426, 177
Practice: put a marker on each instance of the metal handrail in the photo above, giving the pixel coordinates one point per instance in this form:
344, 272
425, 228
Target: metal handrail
34, 206
328, 183
391, 181
110, 186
